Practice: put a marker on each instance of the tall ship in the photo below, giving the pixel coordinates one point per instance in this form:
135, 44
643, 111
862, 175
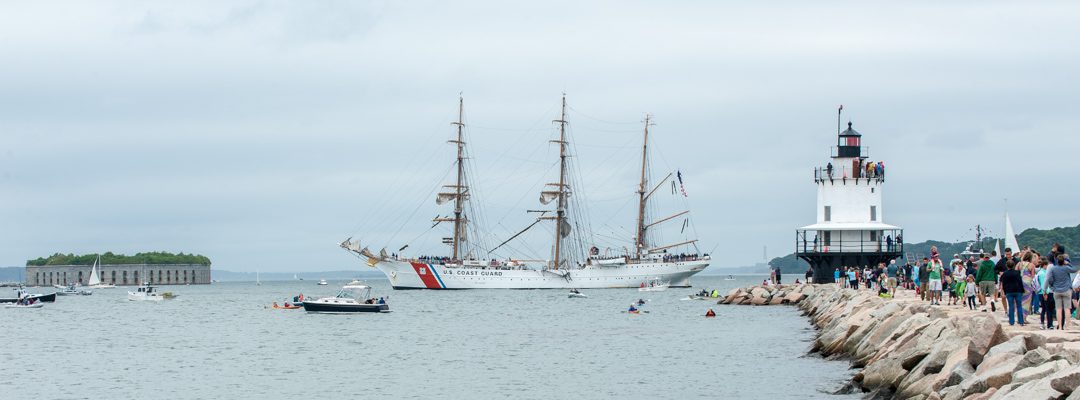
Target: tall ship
575, 259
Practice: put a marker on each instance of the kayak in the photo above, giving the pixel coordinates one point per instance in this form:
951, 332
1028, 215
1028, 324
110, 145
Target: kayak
289, 307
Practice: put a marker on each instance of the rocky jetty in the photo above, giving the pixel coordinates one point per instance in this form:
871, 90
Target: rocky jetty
907, 349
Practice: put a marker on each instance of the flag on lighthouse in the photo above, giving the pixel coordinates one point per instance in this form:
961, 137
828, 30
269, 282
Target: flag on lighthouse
681, 187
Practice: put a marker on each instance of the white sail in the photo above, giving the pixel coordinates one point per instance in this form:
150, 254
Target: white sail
1010, 235
94, 280
997, 249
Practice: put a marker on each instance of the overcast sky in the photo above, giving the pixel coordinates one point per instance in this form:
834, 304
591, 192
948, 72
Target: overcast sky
261, 133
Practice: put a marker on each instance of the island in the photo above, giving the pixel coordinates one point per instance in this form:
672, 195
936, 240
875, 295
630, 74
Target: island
155, 268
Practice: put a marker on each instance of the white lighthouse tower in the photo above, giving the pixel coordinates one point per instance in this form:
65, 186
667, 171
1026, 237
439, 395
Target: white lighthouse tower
850, 230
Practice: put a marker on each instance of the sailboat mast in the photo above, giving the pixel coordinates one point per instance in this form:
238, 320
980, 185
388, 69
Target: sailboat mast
458, 203
560, 210
639, 243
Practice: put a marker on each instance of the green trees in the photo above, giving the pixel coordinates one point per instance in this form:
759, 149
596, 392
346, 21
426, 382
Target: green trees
154, 257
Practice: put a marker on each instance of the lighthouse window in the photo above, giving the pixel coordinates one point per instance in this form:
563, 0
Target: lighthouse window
873, 213
828, 213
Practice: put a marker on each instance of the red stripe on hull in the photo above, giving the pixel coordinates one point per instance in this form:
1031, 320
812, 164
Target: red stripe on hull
426, 275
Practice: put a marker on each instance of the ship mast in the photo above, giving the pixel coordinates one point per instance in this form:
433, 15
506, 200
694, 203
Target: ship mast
639, 243
461, 191
459, 224
560, 209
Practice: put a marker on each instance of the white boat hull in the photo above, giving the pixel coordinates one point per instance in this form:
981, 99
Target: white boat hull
134, 296
414, 275
652, 289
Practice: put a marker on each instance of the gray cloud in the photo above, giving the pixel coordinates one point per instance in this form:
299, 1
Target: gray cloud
260, 133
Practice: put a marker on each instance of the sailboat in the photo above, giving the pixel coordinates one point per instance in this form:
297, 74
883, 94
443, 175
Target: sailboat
257, 281
1010, 235
570, 266
94, 282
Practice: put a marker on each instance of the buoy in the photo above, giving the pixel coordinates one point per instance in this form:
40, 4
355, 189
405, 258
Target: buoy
710, 313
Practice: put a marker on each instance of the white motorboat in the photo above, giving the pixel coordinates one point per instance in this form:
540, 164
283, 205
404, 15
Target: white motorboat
322, 282
575, 294
149, 293
355, 284
94, 282
346, 301
35, 305
729, 278
654, 285
73, 291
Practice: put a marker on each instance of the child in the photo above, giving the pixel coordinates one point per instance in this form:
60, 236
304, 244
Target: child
970, 291
951, 287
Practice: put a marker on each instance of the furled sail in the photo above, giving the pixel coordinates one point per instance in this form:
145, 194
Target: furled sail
445, 197
547, 196
371, 259
565, 230
351, 246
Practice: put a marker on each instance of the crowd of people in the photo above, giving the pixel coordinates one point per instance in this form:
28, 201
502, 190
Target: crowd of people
1023, 284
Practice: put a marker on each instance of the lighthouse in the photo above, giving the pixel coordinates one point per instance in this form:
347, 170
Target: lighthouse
850, 230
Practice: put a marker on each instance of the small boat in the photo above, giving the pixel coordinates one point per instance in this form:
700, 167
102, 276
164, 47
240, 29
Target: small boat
345, 302
654, 285
48, 298
94, 282
148, 293
355, 284
322, 282
73, 291
575, 294
729, 278
34, 305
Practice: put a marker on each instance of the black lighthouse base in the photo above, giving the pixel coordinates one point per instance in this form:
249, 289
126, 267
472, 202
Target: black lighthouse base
824, 264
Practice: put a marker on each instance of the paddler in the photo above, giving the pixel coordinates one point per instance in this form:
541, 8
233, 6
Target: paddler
632, 308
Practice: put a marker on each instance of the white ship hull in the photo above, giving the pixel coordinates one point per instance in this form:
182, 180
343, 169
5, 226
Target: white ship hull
415, 275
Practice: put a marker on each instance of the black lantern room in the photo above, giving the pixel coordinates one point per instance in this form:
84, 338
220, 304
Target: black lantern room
848, 143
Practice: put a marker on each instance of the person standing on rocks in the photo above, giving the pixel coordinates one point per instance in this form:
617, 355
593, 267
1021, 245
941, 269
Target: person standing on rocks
934, 275
777, 275
853, 279
892, 271
1028, 303
1046, 302
809, 275
924, 278
969, 291
1012, 283
987, 281
1059, 282
836, 277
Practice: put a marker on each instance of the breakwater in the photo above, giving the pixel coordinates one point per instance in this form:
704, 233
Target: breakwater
906, 349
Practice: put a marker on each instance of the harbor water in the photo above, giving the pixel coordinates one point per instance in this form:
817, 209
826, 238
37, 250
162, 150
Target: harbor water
219, 341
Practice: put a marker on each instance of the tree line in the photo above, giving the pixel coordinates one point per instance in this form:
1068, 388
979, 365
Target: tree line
154, 257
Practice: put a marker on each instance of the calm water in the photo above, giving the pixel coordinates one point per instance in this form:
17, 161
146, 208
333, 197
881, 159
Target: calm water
218, 341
